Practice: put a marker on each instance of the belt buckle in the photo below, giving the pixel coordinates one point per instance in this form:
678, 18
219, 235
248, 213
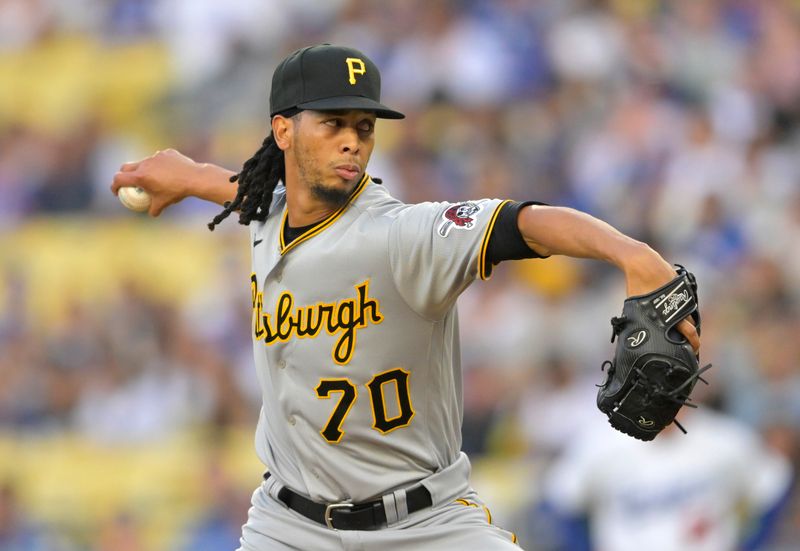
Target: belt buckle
330, 508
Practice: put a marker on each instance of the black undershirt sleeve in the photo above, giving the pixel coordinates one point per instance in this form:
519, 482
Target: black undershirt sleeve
506, 241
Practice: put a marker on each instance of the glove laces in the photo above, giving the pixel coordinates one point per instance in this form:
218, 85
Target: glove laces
656, 391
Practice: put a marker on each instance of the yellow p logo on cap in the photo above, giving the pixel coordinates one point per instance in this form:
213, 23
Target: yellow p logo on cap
355, 66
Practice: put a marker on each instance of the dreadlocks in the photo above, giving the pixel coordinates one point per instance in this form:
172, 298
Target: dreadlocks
257, 180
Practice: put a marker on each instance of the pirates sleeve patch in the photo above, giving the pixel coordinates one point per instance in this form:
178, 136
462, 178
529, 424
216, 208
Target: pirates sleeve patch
460, 216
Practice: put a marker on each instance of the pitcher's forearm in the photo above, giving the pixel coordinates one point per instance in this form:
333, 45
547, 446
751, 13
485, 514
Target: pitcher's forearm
212, 184
565, 231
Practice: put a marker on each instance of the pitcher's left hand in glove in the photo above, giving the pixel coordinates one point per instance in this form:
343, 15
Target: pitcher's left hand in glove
654, 368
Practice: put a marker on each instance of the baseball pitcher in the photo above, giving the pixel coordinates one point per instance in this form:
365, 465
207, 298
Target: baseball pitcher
354, 322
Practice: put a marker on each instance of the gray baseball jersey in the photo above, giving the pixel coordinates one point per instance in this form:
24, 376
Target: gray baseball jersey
355, 335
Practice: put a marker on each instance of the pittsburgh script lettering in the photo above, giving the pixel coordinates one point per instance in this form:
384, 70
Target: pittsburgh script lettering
343, 317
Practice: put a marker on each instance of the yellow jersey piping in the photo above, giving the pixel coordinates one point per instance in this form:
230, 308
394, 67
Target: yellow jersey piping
322, 226
483, 271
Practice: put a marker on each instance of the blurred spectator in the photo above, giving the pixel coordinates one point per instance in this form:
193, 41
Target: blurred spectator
21, 23
24, 400
701, 168
228, 30
771, 390
558, 403
67, 186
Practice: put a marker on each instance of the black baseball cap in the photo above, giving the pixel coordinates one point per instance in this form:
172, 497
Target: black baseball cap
326, 77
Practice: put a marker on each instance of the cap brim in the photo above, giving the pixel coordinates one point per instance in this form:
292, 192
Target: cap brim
352, 102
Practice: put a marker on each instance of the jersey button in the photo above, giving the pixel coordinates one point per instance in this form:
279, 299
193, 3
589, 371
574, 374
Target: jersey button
281, 364
292, 420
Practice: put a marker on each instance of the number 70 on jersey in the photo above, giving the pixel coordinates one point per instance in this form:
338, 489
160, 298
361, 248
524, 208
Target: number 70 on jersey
392, 382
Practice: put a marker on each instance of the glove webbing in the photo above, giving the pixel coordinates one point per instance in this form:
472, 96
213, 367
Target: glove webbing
652, 391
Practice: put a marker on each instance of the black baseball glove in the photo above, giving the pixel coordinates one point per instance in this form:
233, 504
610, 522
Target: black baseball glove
654, 368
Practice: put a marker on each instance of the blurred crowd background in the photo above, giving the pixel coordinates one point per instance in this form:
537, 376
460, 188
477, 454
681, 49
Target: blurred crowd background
127, 393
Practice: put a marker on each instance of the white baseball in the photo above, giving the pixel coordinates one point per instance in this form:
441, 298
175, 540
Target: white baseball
135, 198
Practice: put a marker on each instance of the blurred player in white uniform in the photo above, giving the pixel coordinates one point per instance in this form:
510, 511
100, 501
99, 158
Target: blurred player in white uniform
717, 488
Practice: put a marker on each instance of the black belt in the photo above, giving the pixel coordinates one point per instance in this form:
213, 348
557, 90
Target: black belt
370, 515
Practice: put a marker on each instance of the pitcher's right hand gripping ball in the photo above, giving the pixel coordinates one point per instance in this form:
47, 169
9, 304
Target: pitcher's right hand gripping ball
654, 368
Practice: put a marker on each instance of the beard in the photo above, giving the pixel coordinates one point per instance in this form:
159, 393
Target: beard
334, 197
